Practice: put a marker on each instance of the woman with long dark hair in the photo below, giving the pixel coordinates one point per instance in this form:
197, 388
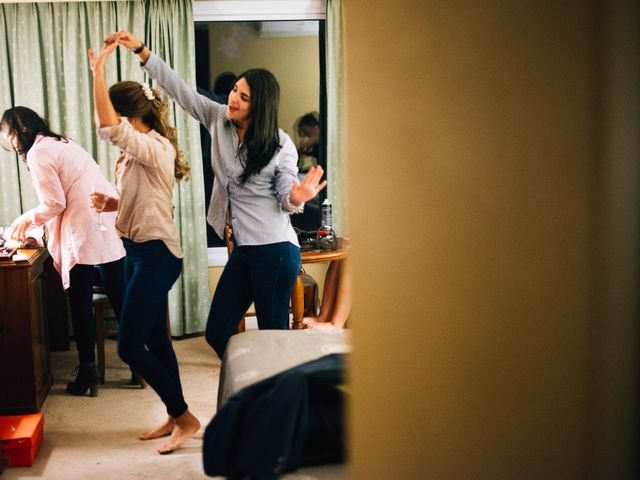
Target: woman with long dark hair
63, 176
135, 119
255, 191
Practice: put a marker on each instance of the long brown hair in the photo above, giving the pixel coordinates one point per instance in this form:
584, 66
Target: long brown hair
25, 125
262, 139
129, 99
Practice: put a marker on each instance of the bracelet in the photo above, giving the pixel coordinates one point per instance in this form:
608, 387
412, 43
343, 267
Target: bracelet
139, 50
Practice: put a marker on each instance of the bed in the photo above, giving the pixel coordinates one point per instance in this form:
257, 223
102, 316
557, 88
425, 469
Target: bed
259, 354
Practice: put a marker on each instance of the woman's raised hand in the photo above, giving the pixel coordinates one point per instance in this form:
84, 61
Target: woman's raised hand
98, 60
309, 188
124, 38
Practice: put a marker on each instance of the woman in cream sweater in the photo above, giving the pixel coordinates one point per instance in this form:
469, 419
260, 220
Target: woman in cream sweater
134, 118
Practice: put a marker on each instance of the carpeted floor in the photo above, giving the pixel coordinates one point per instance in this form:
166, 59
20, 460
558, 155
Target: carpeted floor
96, 438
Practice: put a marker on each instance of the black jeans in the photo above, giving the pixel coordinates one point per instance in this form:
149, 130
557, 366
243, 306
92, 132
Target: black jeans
143, 342
262, 274
82, 278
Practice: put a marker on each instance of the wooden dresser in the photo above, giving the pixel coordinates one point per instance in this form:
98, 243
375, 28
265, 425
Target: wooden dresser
31, 296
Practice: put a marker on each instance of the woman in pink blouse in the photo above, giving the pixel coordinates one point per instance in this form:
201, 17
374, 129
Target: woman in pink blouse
63, 176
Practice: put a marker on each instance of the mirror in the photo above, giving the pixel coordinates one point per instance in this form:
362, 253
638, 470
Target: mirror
292, 51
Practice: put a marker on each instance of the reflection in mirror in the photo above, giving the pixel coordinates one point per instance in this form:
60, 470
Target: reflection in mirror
292, 51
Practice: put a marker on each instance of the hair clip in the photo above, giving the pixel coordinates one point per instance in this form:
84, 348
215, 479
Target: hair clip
147, 92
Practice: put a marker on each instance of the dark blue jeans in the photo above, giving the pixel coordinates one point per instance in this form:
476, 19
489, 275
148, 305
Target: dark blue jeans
82, 279
143, 342
262, 274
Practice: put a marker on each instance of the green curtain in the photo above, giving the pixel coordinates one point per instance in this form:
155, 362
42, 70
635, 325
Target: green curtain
44, 65
336, 158
169, 33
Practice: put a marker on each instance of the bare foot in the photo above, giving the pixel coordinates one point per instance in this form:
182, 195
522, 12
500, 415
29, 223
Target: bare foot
316, 323
162, 431
186, 425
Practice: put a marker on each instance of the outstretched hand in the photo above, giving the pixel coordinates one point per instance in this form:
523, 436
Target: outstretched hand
309, 188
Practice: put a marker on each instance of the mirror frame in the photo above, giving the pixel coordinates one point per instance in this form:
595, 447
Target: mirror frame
253, 10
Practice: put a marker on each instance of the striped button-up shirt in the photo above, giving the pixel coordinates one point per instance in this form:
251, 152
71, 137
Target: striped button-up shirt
260, 208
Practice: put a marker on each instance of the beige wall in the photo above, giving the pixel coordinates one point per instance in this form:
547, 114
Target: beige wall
294, 61
483, 345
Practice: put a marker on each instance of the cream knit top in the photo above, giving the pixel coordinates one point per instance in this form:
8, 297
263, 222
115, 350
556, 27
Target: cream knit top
145, 181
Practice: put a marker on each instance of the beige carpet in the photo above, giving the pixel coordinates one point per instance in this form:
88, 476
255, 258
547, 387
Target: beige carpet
96, 438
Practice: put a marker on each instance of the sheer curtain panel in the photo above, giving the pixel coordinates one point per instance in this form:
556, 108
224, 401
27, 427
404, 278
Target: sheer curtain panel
44, 66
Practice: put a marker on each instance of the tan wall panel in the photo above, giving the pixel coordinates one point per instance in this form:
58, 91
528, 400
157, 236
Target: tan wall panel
471, 167
293, 60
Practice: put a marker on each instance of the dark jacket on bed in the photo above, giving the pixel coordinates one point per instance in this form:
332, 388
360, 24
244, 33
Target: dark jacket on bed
290, 420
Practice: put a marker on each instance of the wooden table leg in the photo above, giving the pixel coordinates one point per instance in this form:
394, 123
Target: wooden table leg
297, 303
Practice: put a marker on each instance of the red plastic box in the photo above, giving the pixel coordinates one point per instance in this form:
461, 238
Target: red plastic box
21, 437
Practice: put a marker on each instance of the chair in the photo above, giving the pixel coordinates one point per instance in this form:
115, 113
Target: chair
100, 304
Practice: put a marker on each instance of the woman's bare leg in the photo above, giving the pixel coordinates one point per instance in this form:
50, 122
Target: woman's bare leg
328, 296
337, 299
343, 297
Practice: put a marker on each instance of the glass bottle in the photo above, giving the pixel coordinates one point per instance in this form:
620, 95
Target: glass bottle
326, 237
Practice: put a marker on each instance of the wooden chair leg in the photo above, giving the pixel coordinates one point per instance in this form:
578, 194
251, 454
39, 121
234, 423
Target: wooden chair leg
99, 313
242, 325
297, 303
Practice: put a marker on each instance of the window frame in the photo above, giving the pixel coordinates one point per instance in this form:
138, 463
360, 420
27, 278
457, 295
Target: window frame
256, 10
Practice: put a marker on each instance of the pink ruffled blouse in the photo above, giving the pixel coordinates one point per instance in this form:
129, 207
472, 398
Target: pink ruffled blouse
63, 175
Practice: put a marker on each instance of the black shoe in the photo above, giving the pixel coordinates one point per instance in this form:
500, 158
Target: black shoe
87, 378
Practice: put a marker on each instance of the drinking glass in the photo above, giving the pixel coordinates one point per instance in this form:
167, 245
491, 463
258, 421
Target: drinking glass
99, 227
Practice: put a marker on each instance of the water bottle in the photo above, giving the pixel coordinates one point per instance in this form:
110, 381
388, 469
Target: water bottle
326, 237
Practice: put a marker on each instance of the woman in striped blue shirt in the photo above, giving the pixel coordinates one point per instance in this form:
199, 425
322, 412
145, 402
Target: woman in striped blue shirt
255, 190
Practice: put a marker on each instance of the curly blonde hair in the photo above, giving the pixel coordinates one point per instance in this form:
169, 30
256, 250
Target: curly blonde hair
129, 98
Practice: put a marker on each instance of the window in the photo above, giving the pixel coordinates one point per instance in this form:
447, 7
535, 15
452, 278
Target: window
287, 38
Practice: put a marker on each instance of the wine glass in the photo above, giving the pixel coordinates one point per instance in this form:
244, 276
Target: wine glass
98, 227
